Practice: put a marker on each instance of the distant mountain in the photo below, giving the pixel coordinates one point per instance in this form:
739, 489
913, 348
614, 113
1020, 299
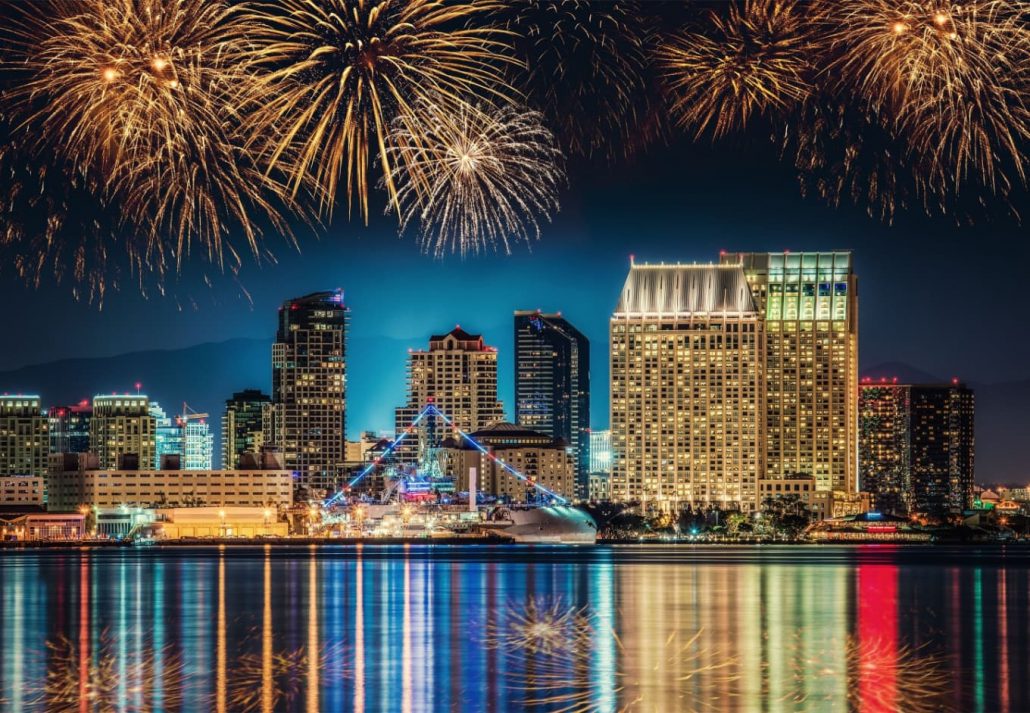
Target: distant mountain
905, 373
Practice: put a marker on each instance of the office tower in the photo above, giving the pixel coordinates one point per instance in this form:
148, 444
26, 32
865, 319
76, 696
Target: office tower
536, 456
122, 426
167, 437
198, 444
246, 425
552, 384
69, 427
309, 383
458, 374
943, 447
686, 389
918, 446
809, 302
24, 436
885, 445
600, 466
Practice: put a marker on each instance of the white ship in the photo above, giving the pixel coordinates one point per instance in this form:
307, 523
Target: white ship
552, 524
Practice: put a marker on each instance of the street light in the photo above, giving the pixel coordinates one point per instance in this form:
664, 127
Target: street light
221, 530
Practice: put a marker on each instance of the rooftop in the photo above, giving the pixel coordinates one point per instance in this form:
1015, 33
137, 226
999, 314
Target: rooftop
679, 289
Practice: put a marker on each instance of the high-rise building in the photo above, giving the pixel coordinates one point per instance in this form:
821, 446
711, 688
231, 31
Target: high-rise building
917, 446
246, 425
198, 444
168, 439
809, 302
552, 384
24, 436
601, 451
69, 427
885, 444
943, 447
122, 426
686, 388
309, 385
458, 373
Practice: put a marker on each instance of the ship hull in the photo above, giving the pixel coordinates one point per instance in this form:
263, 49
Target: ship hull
552, 525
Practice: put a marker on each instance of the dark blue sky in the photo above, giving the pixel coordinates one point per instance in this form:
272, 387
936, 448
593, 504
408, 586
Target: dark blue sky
948, 300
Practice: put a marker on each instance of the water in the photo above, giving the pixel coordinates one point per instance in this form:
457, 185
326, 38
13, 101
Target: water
498, 628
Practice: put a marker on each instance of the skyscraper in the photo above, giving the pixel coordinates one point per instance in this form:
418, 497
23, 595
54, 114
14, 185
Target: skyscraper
885, 444
121, 426
167, 436
459, 375
686, 388
198, 444
943, 447
309, 384
552, 384
246, 425
24, 436
69, 427
809, 302
917, 446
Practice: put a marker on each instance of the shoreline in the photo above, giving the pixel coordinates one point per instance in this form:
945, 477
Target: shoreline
296, 542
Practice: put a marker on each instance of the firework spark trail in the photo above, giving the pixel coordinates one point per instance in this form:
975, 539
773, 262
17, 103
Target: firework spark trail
750, 60
474, 177
336, 75
289, 675
138, 99
952, 78
540, 626
585, 69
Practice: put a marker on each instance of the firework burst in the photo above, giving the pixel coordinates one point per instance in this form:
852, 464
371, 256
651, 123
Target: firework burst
135, 100
751, 60
953, 78
473, 177
337, 74
585, 67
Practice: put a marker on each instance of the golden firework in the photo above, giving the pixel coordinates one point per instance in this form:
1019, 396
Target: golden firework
749, 60
337, 74
586, 68
953, 78
138, 99
475, 177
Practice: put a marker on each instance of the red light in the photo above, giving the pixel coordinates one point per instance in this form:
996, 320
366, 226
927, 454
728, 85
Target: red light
883, 529
954, 380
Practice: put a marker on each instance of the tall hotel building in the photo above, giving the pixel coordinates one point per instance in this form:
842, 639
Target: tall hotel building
552, 384
309, 382
459, 375
122, 425
24, 436
809, 303
69, 427
686, 390
917, 446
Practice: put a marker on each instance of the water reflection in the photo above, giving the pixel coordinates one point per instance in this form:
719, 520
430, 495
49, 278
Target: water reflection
497, 629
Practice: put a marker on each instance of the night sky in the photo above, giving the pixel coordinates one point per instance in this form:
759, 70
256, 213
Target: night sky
949, 301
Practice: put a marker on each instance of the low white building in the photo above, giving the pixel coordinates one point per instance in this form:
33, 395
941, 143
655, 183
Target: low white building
75, 482
21, 490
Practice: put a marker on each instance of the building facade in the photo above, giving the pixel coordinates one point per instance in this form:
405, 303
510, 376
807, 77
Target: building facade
536, 456
122, 425
76, 481
458, 374
24, 436
69, 427
943, 448
809, 303
22, 491
686, 388
600, 487
918, 446
167, 437
309, 385
552, 384
885, 445
246, 425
